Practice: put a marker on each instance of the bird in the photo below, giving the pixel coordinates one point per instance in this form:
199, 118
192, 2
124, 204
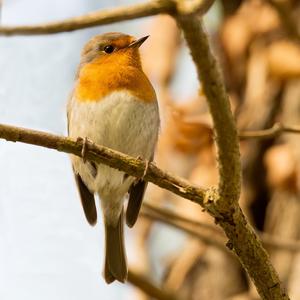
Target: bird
112, 104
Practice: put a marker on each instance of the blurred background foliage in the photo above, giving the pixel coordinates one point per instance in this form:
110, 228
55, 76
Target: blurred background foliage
49, 252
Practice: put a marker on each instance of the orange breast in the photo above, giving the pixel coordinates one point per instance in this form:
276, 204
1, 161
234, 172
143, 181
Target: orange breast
97, 80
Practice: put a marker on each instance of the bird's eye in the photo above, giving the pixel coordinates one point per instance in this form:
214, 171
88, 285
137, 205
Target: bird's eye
109, 49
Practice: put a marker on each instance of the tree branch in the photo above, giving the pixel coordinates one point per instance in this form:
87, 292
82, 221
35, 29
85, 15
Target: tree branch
274, 131
170, 215
216, 241
136, 167
109, 16
279, 242
195, 228
223, 205
131, 166
224, 127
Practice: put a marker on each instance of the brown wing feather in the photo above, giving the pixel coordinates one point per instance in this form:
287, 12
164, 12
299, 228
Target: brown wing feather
86, 197
136, 195
87, 201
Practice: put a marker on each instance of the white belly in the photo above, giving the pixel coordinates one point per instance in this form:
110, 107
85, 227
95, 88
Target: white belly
121, 122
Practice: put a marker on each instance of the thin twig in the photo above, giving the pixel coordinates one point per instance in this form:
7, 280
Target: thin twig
208, 239
195, 228
170, 215
274, 131
103, 17
143, 283
92, 19
279, 243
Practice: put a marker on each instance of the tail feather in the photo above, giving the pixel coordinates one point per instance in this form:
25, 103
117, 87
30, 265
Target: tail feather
115, 267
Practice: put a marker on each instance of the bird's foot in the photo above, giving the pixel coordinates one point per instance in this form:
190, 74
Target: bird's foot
146, 167
84, 147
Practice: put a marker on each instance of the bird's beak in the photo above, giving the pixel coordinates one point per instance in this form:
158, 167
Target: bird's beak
138, 43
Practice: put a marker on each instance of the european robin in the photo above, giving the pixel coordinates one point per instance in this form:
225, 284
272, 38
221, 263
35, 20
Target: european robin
112, 104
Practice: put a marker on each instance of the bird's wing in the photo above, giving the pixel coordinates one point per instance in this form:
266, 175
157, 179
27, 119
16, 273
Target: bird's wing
86, 197
136, 195
87, 200
69, 110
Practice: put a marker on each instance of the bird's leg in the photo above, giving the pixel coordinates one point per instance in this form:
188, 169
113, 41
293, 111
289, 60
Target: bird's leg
144, 173
146, 167
84, 147
92, 166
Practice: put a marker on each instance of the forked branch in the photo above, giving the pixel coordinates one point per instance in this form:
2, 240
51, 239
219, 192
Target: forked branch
221, 203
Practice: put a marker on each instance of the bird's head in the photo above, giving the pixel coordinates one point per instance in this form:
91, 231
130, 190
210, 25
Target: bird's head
113, 48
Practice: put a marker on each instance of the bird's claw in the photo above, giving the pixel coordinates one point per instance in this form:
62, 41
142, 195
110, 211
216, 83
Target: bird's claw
146, 167
84, 147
